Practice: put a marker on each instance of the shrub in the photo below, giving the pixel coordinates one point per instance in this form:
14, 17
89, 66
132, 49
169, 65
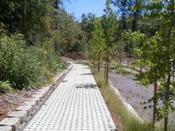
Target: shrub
25, 67
5, 87
17, 65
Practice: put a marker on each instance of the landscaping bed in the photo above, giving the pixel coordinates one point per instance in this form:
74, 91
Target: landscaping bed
124, 120
136, 95
10, 101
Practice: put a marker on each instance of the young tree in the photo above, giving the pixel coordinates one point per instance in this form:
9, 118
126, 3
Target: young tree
137, 40
159, 52
97, 44
166, 41
110, 26
147, 55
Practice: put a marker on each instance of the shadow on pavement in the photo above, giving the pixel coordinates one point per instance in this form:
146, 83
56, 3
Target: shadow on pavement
87, 86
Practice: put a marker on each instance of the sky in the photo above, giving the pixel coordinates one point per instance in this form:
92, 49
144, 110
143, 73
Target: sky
78, 7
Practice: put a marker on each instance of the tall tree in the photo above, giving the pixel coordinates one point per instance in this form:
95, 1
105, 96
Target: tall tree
146, 52
87, 25
123, 11
136, 13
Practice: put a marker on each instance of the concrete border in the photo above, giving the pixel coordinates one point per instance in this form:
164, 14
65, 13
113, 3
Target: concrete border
127, 105
17, 120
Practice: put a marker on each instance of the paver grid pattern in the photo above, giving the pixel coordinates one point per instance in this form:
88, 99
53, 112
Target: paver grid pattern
75, 105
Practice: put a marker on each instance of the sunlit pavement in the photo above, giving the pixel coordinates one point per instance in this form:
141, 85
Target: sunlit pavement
75, 105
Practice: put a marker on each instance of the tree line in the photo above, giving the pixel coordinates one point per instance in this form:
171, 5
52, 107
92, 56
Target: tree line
33, 36
143, 30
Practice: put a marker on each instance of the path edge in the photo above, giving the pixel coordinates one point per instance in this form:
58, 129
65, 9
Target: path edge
125, 103
18, 119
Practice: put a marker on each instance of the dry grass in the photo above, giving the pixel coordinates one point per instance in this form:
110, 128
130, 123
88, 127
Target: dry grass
124, 120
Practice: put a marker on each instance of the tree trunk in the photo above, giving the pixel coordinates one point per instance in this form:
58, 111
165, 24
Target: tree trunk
173, 76
107, 71
141, 69
128, 59
24, 15
56, 4
120, 58
166, 101
154, 102
166, 123
135, 18
134, 22
124, 21
98, 65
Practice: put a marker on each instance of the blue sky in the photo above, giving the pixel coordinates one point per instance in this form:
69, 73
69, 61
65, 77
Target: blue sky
78, 7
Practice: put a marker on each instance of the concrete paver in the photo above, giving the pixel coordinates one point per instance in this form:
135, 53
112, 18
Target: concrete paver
75, 105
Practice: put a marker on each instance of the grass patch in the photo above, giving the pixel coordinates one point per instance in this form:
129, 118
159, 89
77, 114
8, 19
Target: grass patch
123, 70
6, 87
127, 122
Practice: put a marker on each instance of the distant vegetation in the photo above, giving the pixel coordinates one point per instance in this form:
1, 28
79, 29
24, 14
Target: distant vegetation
33, 35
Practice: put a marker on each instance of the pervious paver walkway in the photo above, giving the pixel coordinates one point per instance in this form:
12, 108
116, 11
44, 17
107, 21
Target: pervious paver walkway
75, 105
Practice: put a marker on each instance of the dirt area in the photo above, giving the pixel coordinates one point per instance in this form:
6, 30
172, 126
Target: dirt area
135, 94
76, 55
115, 118
10, 101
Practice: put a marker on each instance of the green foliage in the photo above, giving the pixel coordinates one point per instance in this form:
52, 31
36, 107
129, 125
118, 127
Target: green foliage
87, 25
30, 17
30, 59
38, 20
24, 67
66, 39
158, 61
97, 43
137, 41
16, 64
110, 26
5, 87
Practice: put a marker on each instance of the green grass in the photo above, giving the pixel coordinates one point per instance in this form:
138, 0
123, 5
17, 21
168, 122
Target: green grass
6, 87
127, 122
121, 69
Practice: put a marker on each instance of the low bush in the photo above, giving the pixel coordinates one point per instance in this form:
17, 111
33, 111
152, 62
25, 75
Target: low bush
5, 87
25, 67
